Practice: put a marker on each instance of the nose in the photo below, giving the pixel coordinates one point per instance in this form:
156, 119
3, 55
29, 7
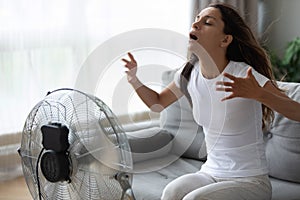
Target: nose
195, 25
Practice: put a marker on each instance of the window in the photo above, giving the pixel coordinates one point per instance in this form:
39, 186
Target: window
45, 43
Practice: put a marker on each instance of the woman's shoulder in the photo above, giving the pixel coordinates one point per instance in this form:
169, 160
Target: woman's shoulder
237, 68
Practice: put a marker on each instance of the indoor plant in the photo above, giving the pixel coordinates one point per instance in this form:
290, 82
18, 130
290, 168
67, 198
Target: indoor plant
287, 68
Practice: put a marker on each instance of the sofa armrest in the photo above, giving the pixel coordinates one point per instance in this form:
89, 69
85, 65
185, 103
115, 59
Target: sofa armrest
149, 143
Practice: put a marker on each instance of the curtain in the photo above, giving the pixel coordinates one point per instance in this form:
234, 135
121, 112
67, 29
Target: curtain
43, 45
248, 9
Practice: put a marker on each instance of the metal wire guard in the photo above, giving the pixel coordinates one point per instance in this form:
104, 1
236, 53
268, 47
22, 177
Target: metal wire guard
98, 147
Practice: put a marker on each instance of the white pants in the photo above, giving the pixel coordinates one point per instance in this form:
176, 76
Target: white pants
201, 186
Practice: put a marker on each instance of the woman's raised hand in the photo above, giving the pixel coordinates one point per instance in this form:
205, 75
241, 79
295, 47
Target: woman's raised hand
246, 87
131, 66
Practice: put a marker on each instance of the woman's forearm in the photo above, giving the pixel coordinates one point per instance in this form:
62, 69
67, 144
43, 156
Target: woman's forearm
156, 102
283, 105
147, 95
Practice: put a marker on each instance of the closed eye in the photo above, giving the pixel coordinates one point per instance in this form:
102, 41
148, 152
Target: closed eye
208, 22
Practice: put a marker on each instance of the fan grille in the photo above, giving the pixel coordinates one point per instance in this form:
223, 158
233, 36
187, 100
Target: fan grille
98, 147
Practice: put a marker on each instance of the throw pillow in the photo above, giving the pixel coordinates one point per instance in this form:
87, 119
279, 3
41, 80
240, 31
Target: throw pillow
146, 144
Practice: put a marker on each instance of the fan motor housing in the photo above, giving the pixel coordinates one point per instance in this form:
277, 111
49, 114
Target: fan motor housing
55, 162
55, 137
55, 166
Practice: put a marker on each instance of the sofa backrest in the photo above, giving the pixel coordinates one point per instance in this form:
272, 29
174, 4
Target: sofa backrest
283, 141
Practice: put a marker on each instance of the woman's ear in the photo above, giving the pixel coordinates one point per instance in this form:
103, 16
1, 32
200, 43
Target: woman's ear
226, 41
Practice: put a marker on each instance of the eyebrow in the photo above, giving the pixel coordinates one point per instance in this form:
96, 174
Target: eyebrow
207, 16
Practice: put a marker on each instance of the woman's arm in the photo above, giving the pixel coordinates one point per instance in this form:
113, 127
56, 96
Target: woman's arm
155, 101
279, 102
268, 95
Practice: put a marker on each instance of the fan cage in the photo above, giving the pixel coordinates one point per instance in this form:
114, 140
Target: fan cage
98, 147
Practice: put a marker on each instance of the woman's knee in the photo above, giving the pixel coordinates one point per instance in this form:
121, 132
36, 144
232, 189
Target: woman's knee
183, 185
171, 191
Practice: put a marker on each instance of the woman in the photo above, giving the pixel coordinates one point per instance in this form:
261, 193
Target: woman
236, 166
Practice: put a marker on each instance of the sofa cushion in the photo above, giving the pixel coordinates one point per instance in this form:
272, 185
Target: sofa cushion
146, 144
149, 185
283, 141
178, 120
282, 190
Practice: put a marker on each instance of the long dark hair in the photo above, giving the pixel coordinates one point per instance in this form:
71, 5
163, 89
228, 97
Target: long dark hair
243, 48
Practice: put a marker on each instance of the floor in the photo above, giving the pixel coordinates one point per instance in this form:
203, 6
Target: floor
15, 189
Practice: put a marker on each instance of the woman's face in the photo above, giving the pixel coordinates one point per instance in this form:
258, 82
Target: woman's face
208, 28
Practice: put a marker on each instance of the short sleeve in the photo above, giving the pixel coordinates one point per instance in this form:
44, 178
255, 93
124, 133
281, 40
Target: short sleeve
261, 79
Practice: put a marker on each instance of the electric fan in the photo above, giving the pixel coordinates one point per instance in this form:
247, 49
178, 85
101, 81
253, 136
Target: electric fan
74, 148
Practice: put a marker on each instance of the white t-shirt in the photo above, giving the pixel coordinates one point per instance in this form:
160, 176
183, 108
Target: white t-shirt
232, 128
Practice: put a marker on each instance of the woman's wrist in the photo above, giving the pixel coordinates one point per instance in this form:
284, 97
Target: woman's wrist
135, 82
261, 95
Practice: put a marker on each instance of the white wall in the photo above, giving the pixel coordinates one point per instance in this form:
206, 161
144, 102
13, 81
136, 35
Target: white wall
285, 16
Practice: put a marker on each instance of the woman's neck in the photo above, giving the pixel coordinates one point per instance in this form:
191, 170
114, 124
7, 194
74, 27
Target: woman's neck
214, 69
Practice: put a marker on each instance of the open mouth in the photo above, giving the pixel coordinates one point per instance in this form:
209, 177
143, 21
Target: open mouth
193, 37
